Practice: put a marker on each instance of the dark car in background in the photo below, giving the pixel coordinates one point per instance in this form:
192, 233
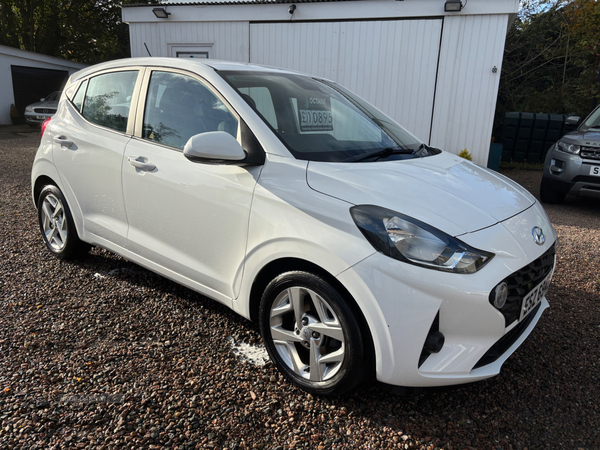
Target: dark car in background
36, 113
572, 165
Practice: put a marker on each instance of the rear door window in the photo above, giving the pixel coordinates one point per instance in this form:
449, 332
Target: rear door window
108, 99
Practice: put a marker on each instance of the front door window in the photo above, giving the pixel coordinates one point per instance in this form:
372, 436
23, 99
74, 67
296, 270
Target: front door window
179, 107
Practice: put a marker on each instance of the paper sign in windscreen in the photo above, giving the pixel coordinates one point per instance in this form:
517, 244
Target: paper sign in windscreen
314, 114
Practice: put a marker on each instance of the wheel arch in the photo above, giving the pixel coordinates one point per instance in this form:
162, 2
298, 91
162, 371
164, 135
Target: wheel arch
38, 186
283, 265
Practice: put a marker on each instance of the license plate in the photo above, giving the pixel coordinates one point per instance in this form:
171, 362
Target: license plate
534, 298
595, 171
44, 118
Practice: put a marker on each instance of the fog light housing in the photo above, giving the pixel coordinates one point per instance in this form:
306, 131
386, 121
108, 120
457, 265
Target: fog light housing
556, 166
499, 295
434, 342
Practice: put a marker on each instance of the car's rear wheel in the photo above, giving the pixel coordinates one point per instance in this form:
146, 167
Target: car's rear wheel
311, 334
56, 225
549, 195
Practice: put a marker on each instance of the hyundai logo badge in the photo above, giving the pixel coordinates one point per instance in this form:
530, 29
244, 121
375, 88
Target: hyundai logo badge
538, 235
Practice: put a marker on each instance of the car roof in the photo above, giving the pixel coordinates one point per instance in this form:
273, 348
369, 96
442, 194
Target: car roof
179, 63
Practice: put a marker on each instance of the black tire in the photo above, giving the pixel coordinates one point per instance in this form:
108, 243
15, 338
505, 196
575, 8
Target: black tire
56, 225
549, 195
346, 367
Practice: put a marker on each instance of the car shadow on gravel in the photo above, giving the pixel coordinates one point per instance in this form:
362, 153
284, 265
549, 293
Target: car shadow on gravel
103, 264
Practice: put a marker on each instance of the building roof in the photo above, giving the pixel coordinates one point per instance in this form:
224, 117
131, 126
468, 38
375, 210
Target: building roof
26, 54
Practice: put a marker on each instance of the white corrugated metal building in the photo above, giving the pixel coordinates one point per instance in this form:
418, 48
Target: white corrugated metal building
28, 76
435, 72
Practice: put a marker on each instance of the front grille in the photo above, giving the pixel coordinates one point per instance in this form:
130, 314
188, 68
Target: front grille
522, 282
590, 153
506, 341
44, 110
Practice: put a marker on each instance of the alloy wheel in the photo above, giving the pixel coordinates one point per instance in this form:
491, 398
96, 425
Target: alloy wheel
54, 223
307, 334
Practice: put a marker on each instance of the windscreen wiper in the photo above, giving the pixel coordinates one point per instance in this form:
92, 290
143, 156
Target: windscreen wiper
383, 153
421, 150
426, 150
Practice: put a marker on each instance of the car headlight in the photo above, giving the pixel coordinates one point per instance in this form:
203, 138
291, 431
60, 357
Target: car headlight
568, 148
412, 241
29, 109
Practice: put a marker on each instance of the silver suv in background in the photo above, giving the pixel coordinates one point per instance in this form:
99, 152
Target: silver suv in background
36, 113
572, 165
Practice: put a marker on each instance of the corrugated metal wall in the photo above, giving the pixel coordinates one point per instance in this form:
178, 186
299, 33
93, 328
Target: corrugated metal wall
391, 63
467, 88
229, 39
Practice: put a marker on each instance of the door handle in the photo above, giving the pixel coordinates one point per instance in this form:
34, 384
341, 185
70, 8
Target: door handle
63, 141
135, 162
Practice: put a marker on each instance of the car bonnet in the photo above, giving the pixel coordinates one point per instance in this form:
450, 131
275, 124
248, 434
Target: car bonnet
589, 137
447, 192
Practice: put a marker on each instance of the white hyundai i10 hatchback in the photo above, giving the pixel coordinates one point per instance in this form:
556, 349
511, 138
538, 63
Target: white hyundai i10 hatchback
359, 249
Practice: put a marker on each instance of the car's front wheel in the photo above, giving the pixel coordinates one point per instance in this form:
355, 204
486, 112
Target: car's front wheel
56, 225
311, 334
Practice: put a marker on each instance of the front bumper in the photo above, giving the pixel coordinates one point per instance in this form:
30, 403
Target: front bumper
570, 174
402, 302
35, 118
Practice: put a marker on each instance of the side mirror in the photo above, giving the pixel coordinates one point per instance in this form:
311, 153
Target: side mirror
572, 120
214, 147
42, 99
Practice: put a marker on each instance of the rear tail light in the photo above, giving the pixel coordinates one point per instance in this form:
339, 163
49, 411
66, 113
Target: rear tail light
45, 124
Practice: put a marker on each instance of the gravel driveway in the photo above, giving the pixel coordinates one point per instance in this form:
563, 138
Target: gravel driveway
104, 354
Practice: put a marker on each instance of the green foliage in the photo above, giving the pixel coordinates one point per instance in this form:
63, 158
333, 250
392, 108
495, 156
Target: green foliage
552, 59
81, 30
466, 154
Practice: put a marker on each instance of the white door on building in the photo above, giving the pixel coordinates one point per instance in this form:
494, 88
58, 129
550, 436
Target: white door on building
467, 86
391, 63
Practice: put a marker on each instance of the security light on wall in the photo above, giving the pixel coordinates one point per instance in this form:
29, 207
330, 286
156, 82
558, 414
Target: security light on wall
161, 13
453, 5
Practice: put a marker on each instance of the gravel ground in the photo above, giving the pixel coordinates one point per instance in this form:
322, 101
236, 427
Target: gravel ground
104, 354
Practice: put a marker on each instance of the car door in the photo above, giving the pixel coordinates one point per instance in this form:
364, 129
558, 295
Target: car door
189, 218
89, 152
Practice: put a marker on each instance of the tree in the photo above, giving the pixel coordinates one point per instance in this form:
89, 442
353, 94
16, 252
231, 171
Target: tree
81, 30
552, 58
585, 16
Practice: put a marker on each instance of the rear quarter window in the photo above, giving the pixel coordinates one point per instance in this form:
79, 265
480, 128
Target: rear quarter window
108, 99
77, 100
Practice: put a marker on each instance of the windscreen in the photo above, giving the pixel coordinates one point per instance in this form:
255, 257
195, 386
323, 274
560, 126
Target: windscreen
320, 121
593, 121
53, 97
